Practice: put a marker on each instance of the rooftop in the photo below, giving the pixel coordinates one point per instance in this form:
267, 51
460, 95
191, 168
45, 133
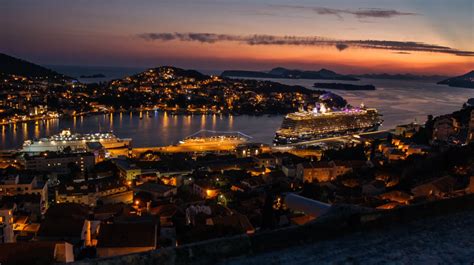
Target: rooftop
127, 235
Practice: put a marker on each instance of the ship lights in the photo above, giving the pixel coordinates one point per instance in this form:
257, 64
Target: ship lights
323, 108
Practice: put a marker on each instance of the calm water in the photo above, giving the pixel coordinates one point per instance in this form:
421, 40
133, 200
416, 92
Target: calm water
398, 101
155, 129
401, 101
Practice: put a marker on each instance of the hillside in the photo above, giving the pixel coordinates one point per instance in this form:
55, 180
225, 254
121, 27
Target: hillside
242, 73
14, 66
466, 81
188, 91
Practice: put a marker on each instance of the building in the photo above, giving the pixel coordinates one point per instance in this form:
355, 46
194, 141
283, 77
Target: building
22, 184
374, 187
130, 169
6, 224
470, 136
321, 171
289, 169
67, 222
445, 127
470, 187
109, 190
205, 189
157, 191
249, 150
36, 252
29, 204
60, 163
236, 221
267, 160
127, 169
126, 238
440, 187
407, 130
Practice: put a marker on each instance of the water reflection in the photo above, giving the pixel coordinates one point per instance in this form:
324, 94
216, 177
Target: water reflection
203, 121
159, 129
398, 101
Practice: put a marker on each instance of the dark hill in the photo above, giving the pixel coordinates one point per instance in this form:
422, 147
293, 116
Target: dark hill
466, 80
240, 73
15, 66
280, 72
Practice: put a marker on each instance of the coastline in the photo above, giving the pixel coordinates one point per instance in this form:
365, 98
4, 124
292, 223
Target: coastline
171, 112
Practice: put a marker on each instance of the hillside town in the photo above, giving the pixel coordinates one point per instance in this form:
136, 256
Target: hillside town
38, 98
95, 201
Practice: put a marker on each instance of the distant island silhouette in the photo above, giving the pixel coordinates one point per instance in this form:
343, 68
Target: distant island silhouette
340, 86
280, 72
93, 76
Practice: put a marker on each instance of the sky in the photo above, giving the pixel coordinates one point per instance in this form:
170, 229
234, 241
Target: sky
349, 36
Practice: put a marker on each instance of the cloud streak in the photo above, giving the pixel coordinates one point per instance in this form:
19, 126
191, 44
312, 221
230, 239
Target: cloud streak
359, 13
315, 41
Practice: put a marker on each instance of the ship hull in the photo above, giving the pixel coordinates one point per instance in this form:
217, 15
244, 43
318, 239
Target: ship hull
79, 145
58, 143
307, 126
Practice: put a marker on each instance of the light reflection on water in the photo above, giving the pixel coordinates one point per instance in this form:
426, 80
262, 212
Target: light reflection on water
398, 101
154, 128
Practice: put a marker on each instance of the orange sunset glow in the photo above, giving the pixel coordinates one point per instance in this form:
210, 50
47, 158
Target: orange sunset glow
372, 36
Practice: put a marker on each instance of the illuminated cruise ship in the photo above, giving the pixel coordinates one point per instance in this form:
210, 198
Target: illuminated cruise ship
74, 141
323, 123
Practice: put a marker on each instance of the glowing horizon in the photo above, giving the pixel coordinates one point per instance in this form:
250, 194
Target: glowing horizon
425, 37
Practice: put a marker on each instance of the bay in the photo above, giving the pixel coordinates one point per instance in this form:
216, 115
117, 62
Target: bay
399, 101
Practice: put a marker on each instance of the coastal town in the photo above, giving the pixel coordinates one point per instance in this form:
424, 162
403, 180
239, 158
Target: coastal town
36, 97
86, 196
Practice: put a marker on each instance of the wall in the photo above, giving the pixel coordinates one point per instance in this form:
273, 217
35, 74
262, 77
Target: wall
340, 221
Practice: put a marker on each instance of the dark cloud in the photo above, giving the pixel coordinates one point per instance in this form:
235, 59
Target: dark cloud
379, 13
401, 46
402, 52
359, 13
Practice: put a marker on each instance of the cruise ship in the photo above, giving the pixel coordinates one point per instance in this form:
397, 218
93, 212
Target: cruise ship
74, 141
323, 123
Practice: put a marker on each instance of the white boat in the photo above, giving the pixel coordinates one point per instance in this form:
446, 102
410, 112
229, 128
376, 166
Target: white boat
75, 141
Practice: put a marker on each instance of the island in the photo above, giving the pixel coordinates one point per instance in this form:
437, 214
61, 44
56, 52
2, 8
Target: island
340, 86
280, 72
163, 88
466, 81
92, 76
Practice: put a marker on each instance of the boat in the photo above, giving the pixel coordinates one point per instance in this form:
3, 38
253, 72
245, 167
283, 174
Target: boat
75, 142
210, 136
322, 122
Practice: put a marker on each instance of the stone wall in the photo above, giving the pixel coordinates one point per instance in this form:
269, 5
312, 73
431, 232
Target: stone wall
340, 222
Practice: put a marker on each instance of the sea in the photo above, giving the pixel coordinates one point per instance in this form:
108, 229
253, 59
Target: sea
399, 101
